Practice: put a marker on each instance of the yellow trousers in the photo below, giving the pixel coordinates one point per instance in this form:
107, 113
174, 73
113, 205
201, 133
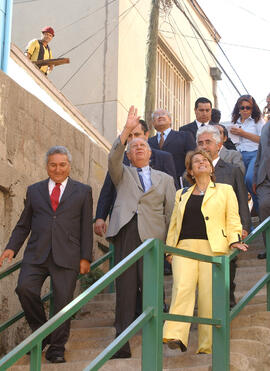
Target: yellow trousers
187, 274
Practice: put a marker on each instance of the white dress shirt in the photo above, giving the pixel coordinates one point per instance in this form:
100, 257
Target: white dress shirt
199, 124
146, 175
165, 134
250, 126
51, 186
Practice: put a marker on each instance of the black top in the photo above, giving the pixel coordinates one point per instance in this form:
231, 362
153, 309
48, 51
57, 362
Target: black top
193, 225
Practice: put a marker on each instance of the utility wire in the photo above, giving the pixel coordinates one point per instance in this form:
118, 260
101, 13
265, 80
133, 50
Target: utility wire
207, 47
230, 44
123, 15
85, 16
82, 42
223, 52
24, 1
195, 55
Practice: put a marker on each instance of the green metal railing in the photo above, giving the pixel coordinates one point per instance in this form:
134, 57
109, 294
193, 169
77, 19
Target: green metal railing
49, 296
151, 319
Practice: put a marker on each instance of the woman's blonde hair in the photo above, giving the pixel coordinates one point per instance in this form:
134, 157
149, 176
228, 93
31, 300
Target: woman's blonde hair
188, 163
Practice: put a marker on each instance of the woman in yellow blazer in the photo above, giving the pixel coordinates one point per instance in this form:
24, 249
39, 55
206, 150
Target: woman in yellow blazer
205, 220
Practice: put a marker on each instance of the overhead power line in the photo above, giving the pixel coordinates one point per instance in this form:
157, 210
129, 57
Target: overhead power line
223, 52
85, 16
123, 15
207, 47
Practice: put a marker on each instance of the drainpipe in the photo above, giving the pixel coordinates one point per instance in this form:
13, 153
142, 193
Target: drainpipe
7, 35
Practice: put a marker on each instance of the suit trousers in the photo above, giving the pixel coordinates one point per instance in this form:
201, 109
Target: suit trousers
263, 194
31, 279
130, 282
187, 274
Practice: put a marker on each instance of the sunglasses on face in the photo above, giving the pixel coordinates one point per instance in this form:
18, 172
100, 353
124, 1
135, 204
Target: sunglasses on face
248, 108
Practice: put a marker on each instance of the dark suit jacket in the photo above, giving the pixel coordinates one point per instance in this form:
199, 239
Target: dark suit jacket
229, 174
178, 144
67, 232
262, 164
159, 160
191, 128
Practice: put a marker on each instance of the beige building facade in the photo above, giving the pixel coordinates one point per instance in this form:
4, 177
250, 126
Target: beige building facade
106, 42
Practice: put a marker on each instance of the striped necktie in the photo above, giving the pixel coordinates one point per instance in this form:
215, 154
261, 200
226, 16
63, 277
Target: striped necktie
139, 170
161, 141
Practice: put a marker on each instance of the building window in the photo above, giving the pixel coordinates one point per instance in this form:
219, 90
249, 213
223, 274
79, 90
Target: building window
172, 87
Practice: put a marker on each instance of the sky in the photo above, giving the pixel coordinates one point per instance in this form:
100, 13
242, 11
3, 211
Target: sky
244, 27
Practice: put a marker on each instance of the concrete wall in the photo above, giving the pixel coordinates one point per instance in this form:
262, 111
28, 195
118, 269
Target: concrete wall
27, 129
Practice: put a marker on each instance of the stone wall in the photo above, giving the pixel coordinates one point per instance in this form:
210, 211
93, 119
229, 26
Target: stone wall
27, 129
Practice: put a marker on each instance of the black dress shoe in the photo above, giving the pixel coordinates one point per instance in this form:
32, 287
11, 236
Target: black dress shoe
176, 344
261, 255
55, 358
45, 342
121, 354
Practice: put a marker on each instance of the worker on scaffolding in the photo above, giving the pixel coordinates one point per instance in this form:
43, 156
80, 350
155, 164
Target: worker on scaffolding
37, 50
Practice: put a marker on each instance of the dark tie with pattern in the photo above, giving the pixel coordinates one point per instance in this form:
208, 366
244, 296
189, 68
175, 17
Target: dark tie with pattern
139, 170
55, 195
161, 141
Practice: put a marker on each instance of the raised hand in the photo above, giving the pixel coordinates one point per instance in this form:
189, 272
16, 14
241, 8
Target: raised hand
132, 119
131, 123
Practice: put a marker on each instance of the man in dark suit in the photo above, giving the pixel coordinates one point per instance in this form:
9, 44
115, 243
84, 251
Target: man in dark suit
58, 213
208, 139
159, 160
166, 139
261, 179
203, 111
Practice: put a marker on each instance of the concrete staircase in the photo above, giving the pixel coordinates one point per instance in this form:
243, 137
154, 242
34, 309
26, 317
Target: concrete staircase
92, 331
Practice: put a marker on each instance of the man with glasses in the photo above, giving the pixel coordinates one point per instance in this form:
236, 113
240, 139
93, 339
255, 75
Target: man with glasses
175, 142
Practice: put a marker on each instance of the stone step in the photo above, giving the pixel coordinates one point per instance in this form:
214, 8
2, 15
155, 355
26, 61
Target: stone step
250, 320
252, 348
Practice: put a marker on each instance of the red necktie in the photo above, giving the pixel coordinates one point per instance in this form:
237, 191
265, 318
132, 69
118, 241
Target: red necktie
55, 196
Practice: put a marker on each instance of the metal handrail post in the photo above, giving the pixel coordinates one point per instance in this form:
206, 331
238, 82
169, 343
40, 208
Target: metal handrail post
152, 351
267, 247
221, 296
111, 265
35, 358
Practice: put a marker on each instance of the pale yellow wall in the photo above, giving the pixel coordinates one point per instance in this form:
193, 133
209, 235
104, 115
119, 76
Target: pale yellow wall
179, 35
132, 57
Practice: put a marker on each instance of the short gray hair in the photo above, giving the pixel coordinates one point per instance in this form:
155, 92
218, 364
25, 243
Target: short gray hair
161, 109
210, 129
58, 149
133, 140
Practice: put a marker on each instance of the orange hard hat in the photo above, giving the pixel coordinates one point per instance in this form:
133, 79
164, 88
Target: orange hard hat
48, 29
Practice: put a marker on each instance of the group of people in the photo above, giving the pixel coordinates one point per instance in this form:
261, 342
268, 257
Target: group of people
188, 188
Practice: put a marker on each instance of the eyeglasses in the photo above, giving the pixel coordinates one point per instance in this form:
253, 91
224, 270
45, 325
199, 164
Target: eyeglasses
248, 108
